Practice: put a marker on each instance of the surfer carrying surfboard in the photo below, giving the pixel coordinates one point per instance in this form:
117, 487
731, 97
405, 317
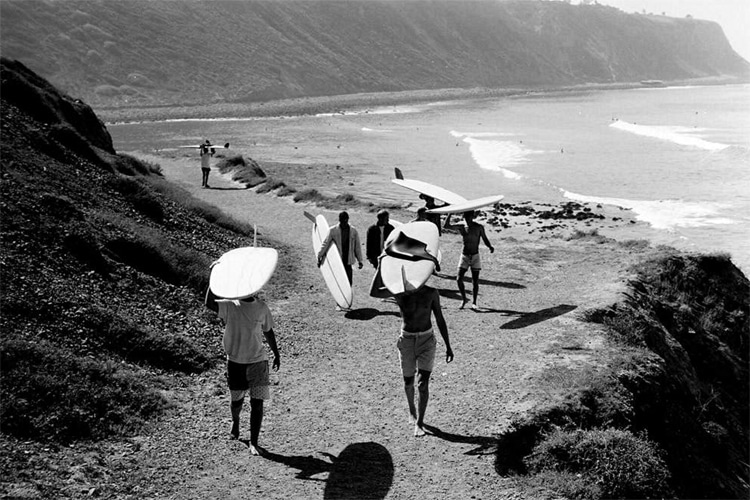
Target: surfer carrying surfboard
347, 242
377, 234
472, 232
206, 152
247, 322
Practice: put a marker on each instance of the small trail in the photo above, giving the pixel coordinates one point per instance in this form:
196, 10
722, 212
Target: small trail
337, 425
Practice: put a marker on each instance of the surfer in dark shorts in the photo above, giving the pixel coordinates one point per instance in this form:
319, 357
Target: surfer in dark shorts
376, 236
247, 322
472, 232
417, 346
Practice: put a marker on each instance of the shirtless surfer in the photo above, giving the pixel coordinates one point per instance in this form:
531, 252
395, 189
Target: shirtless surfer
472, 232
417, 345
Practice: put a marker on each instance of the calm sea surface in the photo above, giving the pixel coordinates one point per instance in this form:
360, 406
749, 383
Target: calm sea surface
678, 157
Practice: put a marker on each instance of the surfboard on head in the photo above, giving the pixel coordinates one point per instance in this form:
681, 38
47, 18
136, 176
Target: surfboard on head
467, 206
209, 146
332, 268
242, 272
410, 256
428, 189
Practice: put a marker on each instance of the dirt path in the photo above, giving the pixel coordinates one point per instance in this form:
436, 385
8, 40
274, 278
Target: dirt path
337, 426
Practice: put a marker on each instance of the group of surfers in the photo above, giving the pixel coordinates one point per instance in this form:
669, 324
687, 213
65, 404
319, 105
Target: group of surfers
249, 321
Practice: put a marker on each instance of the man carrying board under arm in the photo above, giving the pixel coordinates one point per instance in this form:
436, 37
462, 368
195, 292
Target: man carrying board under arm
472, 232
347, 241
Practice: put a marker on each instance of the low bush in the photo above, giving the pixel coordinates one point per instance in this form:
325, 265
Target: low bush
270, 185
204, 210
48, 393
140, 196
130, 165
612, 464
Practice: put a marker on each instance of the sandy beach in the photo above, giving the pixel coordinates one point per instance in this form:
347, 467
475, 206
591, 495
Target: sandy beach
338, 398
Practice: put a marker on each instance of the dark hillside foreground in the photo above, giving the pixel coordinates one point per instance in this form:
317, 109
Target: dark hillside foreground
111, 367
153, 53
103, 272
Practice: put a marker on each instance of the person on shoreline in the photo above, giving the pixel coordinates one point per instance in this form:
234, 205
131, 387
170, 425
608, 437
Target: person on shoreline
376, 236
472, 232
206, 152
417, 346
247, 322
347, 241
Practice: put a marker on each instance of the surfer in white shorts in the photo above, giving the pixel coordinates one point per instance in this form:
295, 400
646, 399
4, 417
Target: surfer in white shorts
247, 322
417, 345
471, 233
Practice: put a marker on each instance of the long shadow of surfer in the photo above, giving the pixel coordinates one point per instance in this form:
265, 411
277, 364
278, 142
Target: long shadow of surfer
486, 445
482, 281
368, 313
362, 470
528, 319
243, 188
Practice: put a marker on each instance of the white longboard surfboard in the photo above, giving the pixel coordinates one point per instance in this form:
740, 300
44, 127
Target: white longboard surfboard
211, 146
428, 189
241, 272
401, 268
468, 205
332, 268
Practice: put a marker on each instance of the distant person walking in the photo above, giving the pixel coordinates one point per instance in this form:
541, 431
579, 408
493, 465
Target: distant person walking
376, 236
417, 346
471, 232
247, 322
347, 241
206, 152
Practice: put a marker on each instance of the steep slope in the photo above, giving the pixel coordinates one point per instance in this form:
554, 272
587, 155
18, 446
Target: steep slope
101, 272
141, 53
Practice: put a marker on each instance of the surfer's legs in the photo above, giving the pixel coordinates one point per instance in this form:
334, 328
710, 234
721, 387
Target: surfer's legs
423, 385
236, 409
349, 272
475, 285
256, 419
409, 390
461, 288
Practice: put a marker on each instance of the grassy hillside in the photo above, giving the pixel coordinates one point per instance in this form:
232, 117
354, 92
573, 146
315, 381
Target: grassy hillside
139, 53
103, 269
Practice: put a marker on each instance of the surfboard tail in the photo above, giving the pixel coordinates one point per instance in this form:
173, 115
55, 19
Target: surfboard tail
399, 174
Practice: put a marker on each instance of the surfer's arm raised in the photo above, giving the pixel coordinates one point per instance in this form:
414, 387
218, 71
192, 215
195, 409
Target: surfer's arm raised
211, 301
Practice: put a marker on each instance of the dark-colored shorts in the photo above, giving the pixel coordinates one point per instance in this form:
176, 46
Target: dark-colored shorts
253, 377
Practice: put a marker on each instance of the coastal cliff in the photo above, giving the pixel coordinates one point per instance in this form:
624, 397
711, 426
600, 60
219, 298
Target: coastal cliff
161, 53
103, 270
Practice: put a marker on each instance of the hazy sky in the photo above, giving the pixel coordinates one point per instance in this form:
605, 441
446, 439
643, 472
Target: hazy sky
732, 15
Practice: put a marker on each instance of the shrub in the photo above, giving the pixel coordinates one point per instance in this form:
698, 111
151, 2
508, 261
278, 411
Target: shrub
618, 463
151, 253
48, 393
270, 185
130, 165
140, 196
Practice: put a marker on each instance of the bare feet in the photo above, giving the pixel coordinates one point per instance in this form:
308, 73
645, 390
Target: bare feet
255, 449
419, 430
235, 432
463, 303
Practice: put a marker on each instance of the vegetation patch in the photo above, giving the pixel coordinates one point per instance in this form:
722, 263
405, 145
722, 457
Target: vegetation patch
44, 387
247, 172
686, 320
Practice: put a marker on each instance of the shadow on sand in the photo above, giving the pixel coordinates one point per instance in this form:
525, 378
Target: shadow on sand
486, 445
528, 319
243, 188
482, 281
368, 313
362, 470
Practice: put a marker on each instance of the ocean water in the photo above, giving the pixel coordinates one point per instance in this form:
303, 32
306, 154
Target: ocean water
677, 157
